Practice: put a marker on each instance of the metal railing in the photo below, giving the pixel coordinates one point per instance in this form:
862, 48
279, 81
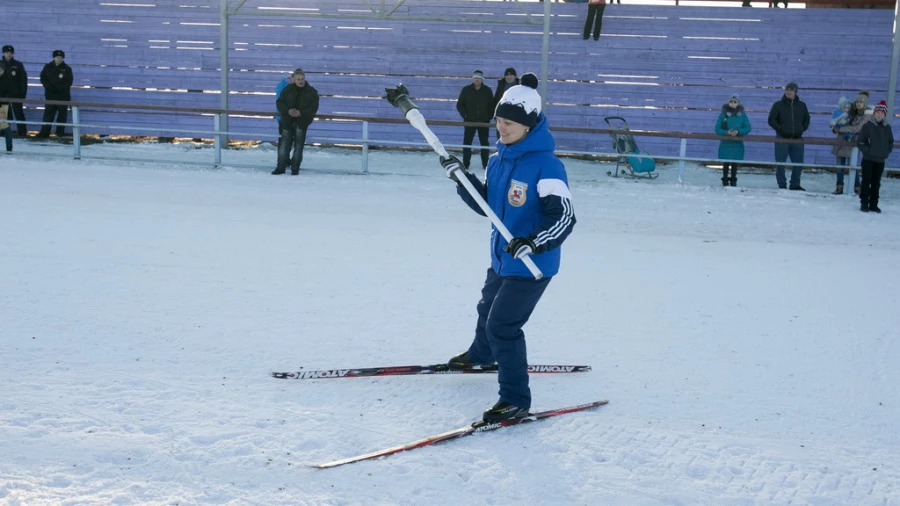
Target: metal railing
364, 141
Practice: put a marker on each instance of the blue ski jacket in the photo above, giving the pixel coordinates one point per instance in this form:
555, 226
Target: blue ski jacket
527, 187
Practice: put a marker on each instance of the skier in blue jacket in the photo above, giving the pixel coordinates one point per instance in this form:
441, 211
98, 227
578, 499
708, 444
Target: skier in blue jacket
527, 187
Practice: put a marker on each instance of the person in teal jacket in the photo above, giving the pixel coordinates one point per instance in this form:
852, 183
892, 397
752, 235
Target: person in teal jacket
527, 187
732, 122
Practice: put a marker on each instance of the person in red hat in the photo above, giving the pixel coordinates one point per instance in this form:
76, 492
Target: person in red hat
875, 141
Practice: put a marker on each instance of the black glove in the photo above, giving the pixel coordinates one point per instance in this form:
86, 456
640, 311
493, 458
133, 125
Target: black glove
453, 167
520, 247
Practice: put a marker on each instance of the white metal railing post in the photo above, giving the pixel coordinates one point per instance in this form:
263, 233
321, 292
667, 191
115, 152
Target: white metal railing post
76, 132
682, 153
851, 162
217, 139
365, 146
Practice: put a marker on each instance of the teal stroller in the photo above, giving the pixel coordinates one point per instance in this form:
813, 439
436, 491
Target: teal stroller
635, 167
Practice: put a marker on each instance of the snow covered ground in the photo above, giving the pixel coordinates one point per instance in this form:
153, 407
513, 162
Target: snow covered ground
747, 339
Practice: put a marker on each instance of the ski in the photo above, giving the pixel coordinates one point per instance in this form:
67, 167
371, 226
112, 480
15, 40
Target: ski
403, 370
475, 428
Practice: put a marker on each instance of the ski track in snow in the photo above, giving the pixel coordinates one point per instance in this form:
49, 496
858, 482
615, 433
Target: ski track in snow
747, 340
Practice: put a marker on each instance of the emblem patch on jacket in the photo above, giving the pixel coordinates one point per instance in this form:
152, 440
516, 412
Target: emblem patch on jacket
517, 193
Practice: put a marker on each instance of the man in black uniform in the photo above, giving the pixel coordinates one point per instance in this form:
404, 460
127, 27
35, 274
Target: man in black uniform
57, 80
15, 82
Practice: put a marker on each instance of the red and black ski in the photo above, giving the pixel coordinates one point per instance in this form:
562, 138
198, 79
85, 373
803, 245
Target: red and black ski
458, 433
403, 370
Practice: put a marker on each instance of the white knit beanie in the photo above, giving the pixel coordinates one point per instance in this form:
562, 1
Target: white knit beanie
521, 103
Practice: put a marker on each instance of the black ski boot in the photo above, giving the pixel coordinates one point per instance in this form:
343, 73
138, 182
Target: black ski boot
459, 362
503, 411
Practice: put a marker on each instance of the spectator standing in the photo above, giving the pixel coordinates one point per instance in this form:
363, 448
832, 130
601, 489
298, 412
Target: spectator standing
595, 17
17, 87
527, 187
476, 105
57, 80
789, 117
846, 138
732, 122
508, 81
278, 89
5, 128
297, 104
876, 140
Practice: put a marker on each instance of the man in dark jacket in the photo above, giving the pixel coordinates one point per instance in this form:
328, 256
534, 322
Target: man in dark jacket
16, 85
875, 141
5, 128
57, 79
789, 118
476, 105
509, 80
297, 105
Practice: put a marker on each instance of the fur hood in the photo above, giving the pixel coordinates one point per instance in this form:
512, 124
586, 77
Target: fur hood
728, 111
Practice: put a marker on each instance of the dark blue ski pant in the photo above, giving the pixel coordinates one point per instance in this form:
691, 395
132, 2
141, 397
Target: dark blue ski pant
505, 306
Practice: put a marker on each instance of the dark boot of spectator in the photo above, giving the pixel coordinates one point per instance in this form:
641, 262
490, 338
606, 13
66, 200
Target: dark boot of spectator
733, 174
733, 181
725, 179
839, 189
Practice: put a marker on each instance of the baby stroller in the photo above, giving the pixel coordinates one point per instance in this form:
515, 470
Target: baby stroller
623, 141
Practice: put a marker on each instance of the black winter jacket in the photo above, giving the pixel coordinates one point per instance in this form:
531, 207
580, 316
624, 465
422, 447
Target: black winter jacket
501, 88
789, 118
5, 90
57, 81
476, 106
876, 140
14, 81
305, 100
